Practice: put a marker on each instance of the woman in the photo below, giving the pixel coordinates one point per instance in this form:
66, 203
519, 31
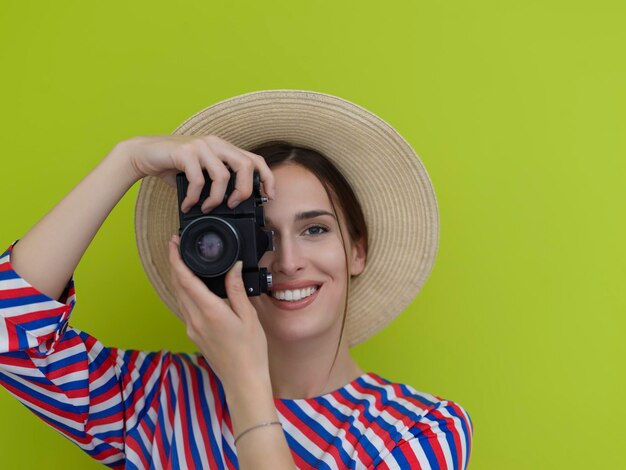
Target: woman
274, 385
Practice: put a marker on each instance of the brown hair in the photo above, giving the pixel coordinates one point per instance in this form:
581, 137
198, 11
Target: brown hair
337, 188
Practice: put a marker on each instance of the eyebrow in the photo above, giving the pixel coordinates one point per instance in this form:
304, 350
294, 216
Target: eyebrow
306, 215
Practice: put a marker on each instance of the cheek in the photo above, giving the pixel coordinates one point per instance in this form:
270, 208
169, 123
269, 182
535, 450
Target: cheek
331, 262
256, 301
264, 262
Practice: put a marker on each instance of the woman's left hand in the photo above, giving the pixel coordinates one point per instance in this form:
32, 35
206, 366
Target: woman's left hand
230, 337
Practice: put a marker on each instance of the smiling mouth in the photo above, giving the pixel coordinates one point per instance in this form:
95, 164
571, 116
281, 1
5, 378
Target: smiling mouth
294, 295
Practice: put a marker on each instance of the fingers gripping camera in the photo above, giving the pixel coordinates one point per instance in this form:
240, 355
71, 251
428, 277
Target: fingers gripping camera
210, 244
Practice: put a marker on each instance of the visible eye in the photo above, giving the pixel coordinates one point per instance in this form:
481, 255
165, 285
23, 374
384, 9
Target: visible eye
316, 229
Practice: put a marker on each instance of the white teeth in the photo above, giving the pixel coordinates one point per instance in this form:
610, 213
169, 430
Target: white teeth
293, 295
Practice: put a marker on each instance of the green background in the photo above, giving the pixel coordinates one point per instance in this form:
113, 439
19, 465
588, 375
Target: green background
517, 110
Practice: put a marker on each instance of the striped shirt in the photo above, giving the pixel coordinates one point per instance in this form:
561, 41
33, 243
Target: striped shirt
138, 410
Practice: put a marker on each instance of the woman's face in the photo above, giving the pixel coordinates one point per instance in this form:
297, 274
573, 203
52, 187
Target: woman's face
309, 256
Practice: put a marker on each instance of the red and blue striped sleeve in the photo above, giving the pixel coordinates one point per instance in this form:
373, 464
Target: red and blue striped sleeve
440, 440
91, 394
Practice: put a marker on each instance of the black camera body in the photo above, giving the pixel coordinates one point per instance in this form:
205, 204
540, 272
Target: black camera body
210, 244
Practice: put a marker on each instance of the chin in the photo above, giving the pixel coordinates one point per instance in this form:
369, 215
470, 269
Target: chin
296, 325
298, 331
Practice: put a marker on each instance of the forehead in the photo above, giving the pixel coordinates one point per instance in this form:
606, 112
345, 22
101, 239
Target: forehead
297, 186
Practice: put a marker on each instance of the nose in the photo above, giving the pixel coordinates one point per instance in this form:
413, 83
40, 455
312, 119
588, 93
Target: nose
288, 258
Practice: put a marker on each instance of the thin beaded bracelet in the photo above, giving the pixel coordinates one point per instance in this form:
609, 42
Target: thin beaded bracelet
269, 423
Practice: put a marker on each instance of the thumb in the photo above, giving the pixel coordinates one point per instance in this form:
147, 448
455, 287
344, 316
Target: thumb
236, 291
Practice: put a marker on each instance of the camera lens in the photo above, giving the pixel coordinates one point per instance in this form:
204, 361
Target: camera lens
210, 246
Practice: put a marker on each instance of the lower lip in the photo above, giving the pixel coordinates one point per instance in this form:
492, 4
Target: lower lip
297, 304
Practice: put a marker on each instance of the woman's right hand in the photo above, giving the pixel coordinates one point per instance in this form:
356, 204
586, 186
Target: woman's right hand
166, 155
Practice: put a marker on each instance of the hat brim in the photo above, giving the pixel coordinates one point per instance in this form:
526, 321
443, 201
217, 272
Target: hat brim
386, 174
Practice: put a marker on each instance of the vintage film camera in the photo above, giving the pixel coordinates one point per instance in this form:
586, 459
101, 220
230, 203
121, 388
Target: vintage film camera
211, 243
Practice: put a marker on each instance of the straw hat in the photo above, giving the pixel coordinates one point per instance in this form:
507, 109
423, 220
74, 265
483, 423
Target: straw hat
385, 173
